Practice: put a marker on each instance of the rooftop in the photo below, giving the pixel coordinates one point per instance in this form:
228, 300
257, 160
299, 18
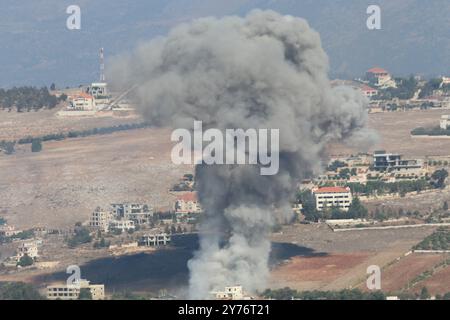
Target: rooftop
188, 196
377, 70
332, 190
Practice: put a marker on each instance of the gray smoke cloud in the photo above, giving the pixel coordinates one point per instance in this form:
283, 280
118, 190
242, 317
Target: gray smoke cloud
264, 70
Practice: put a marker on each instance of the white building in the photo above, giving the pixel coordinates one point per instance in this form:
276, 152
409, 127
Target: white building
380, 78
230, 293
8, 231
338, 197
188, 203
72, 292
122, 225
155, 240
82, 102
445, 122
28, 248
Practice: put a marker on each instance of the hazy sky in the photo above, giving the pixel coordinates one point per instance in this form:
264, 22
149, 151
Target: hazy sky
38, 49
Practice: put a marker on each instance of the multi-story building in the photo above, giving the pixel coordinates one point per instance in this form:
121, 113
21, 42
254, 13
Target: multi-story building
380, 78
384, 161
72, 292
139, 213
230, 293
338, 197
188, 203
122, 225
101, 219
155, 240
28, 248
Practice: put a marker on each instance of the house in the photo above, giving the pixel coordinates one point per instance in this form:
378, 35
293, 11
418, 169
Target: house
230, 293
155, 240
380, 78
101, 219
72, 292
369, 92
139, 213
122, 225
339, 197
28, 249
82, 102
187, 203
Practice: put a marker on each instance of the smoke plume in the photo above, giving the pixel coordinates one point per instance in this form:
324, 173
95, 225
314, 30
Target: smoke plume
261, 71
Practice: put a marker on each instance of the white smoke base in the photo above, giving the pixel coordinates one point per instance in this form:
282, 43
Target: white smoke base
261, 71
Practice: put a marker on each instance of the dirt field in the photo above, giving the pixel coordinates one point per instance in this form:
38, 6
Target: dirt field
394, 129
339, 260
438, 283
14, 126
397, 276
68, 179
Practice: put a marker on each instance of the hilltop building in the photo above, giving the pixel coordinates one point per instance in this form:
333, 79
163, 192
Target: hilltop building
380, 78
230, 293
72, 292
384, 161
28, 249
327, 197
101, 219
187, 203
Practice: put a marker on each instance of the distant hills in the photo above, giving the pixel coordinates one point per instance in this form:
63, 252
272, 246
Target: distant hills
37, 49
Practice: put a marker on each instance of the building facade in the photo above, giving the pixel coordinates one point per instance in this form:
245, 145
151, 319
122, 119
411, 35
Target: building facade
72, 292
384, 161
327, 197
188, 203
101, 219
28, 248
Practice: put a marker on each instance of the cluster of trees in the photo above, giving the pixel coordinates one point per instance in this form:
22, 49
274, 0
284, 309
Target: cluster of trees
81, 236
438, 178
102, 243
380, 187
435, 131
25, 261
174, 229
7, 146
346, 294
406, 87
438, 240
27, 99
36, 142
18, 291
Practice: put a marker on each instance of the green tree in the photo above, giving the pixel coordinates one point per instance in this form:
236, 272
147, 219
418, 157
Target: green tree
25, 261
36, 145
356, 209
18, 291
424, 294
445, 206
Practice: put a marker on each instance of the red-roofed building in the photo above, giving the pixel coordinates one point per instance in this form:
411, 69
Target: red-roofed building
380, 78
368, 91
82, 101
338, 197
187, 203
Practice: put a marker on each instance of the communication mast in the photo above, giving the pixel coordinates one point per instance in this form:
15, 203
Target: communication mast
102, 66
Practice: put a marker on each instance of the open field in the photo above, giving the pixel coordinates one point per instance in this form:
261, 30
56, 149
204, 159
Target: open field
438, 283
394, 128
68, 179
14, 125
344, 256
398, 275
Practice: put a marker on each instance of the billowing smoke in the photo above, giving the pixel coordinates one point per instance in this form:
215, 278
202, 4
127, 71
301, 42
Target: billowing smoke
261, 71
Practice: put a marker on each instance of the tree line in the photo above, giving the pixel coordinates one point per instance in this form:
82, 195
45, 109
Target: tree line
28, 98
